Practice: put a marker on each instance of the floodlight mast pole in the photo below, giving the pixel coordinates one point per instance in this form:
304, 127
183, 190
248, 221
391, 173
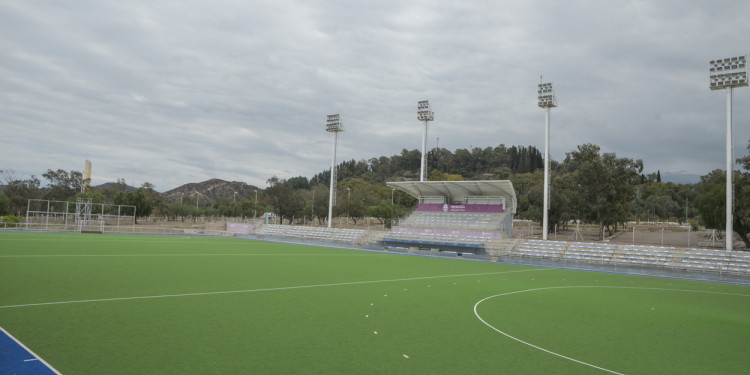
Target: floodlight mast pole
547, 100
730, 173
424, 113
545, 221
333, 125
424, 148
729, 73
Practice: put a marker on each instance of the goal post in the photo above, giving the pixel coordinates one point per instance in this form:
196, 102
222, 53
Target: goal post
82, 215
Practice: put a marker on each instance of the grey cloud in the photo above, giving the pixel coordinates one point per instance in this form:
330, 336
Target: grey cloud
180, 92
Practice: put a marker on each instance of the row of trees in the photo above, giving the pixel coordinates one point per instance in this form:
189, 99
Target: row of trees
587, 185
492, 162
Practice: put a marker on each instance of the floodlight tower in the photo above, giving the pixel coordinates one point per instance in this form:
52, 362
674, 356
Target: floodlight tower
333, 125
86, 185
547, 100
727, 74
424, 114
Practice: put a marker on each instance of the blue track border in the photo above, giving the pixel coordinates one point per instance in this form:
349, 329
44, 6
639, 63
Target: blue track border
17, 359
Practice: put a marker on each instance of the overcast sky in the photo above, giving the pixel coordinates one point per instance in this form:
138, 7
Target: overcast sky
172, 92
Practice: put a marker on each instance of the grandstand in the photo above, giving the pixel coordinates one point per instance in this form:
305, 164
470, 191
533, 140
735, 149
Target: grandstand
454, 216
673, 258
319, 234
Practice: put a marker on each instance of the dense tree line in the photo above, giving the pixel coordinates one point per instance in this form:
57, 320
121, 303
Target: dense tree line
478, 163
587, 185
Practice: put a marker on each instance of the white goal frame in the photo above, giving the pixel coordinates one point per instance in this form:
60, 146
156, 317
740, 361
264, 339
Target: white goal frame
79, 216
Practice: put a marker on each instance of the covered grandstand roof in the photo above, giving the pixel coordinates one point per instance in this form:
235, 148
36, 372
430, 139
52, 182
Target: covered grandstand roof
458, 190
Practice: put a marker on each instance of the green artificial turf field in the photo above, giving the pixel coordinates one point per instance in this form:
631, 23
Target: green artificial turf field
107, 304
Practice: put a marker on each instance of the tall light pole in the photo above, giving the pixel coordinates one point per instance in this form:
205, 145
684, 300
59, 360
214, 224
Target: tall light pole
333, 125
424, 114
547, 100
727, 74
392, 191
234, 197
255, 206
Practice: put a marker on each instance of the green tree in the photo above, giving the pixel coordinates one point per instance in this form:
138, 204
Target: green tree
4, 204
436, 175
285, 201
711, 201
20, 191
299, 182
62, 184
159, 207
384, 212
605, 184
138, 198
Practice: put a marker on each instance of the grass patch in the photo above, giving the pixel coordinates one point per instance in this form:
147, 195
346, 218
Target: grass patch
218, 305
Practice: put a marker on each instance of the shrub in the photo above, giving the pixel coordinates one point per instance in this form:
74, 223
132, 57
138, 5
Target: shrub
11, 221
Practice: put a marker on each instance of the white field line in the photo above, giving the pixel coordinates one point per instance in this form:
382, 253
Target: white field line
586, 286
36, 357
265, 289
168, 255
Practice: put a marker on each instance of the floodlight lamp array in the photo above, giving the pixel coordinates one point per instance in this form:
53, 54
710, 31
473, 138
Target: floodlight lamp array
334, 124
423, 111
729, 72
546, 95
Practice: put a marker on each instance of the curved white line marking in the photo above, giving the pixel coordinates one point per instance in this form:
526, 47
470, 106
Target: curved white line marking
571, 287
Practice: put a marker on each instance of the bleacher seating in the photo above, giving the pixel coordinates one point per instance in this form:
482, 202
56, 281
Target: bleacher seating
541, 249
645, 255
311, 233
715, 260
452, 229
590, 252
736, 262
476, 221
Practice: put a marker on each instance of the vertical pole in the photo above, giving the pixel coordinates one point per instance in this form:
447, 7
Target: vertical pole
28, 208
424, 146
333, 177
662, 236
545, 219
730, 170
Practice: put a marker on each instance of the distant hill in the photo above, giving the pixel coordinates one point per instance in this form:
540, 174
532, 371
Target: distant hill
680, 178
111, 185
210, 190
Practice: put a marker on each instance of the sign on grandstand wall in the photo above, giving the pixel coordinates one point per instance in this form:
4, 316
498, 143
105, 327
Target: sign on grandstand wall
447, 232
460, 207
